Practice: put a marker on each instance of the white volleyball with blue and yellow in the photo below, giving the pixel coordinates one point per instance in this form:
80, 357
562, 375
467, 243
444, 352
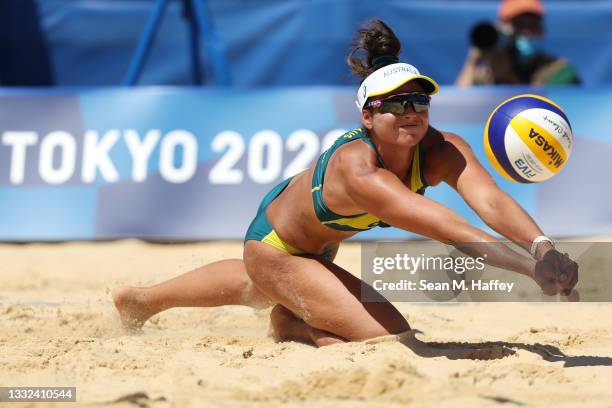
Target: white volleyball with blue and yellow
528, 138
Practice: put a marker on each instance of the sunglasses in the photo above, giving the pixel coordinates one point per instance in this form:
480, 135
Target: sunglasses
398, 104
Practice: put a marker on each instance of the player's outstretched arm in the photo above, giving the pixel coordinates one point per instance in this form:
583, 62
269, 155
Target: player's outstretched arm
556, 272
476, 186
380, 192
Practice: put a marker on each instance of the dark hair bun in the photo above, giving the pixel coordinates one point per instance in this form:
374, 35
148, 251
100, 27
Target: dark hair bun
374, 39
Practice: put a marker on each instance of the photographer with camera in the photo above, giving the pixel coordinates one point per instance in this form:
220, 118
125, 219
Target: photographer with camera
509, 52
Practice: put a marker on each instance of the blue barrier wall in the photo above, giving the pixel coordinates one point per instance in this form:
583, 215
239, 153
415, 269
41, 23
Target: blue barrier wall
192, 163
301, 42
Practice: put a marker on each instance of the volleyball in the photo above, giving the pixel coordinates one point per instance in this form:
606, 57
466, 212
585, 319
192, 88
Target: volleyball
528, 138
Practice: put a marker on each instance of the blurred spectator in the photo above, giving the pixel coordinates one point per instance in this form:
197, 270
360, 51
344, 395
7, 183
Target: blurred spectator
510, 53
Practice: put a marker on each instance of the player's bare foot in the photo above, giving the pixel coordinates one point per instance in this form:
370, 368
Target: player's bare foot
132, 307
285, 326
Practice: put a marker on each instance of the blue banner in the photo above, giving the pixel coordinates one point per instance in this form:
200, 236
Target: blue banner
192, 163
298, 42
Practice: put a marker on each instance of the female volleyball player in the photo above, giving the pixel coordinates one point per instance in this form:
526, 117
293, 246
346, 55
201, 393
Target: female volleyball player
373, 176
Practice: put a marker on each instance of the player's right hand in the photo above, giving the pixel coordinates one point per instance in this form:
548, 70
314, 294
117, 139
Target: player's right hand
556, 273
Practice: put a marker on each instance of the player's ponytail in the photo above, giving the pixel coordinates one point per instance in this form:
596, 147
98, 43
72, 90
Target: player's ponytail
374, 47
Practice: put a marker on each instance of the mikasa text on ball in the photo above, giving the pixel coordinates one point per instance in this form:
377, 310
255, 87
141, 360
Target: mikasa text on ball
528, 138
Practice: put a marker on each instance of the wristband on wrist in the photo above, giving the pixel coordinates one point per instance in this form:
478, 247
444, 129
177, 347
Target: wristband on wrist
534, 244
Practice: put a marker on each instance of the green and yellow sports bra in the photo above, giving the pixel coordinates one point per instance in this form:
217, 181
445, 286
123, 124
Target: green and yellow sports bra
365, 221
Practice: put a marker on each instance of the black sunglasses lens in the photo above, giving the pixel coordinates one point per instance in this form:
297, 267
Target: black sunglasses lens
420, 107
399, 104
394, 107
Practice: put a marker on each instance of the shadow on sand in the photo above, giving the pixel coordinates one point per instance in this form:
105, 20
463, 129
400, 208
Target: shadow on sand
492, 350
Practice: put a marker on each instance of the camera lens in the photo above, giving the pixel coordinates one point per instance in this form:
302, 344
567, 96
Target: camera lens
484, 35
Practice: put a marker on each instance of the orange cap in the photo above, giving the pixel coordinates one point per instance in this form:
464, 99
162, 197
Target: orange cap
512, 8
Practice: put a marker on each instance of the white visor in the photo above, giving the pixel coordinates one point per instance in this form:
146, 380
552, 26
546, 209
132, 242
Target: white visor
389, 78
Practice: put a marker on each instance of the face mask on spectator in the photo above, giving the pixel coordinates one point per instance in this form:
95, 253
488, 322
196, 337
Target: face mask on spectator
527, 47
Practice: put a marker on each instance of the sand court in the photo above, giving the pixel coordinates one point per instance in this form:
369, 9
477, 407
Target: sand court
59, 328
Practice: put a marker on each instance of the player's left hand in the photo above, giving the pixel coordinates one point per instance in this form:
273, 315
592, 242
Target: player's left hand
556, 273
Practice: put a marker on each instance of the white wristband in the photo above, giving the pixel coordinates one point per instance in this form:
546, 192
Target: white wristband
534, 244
